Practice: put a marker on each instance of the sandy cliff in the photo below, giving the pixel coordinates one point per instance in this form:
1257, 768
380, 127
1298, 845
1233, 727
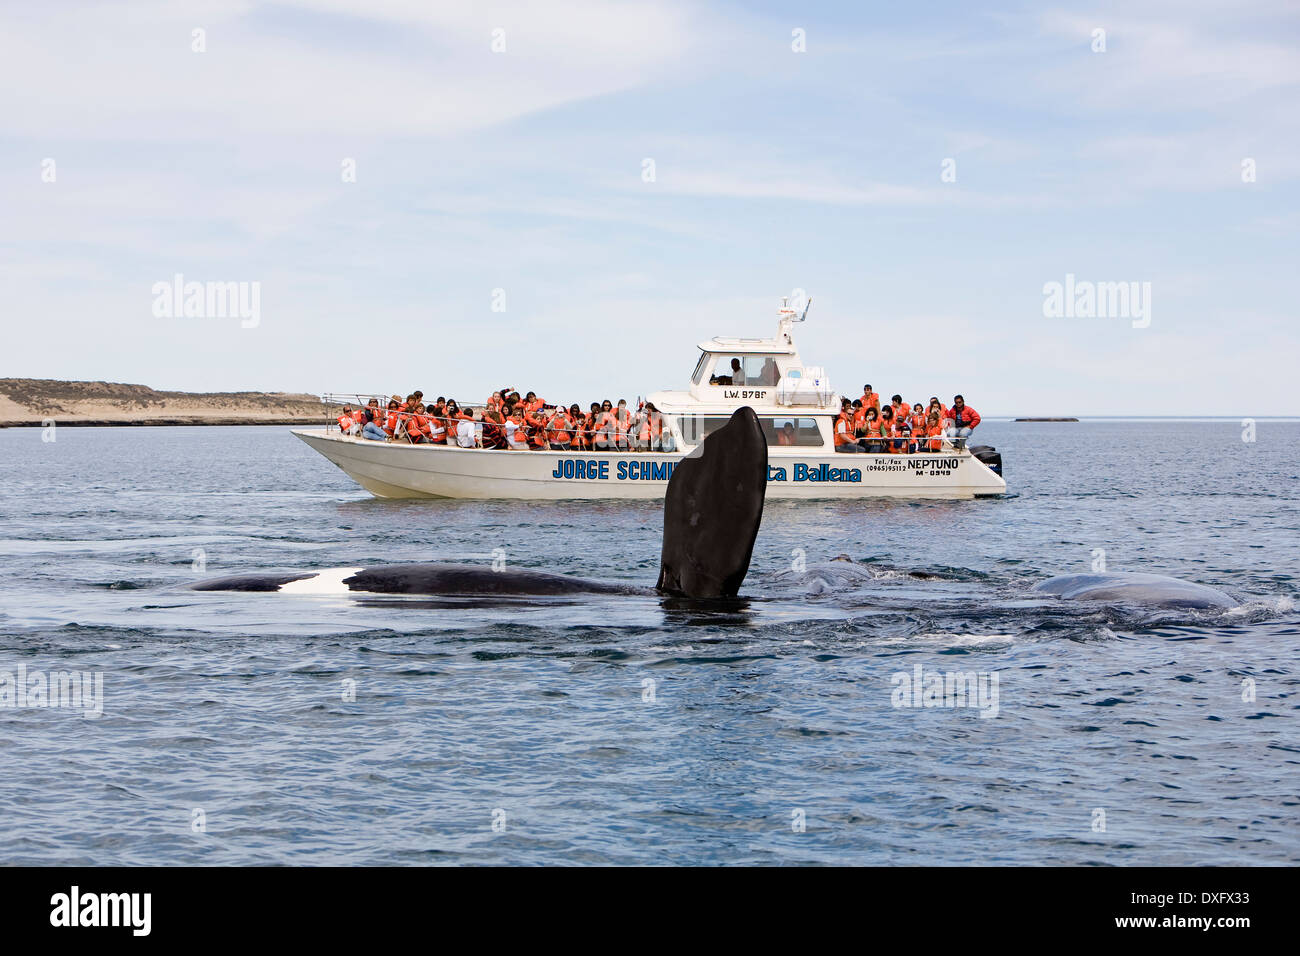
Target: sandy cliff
28, 401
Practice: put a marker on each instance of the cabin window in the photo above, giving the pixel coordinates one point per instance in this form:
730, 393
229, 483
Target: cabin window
780, 430
792, 431
754, 370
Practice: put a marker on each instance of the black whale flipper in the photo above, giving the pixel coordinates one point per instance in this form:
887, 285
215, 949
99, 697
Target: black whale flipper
712, 511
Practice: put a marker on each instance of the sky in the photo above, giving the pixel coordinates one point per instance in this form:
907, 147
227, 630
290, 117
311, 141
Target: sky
569, 195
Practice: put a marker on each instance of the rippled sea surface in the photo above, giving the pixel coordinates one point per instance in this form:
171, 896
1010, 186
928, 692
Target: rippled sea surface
626, 729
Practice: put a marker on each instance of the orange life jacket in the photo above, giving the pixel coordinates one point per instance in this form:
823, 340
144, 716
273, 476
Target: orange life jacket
559, 427
935, 434
870, 400
652, 427
605, 426
844, 430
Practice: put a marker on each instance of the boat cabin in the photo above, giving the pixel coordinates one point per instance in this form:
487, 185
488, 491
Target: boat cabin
795, 402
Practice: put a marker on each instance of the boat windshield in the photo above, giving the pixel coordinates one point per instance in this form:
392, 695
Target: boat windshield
698, 375
780, 430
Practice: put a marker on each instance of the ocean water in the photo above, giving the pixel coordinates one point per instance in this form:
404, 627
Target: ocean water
635, 730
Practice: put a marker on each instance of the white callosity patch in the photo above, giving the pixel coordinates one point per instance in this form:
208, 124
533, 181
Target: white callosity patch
329, 581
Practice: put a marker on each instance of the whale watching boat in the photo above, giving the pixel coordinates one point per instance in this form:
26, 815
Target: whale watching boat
796, 407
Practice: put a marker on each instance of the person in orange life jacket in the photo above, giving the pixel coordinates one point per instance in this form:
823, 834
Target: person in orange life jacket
441, 416
899, 406
934, 407
638, 437
869, 399
439, 423
871, 432
519, 416
622, 426
516, 430
861, 431
786, 435
420, 424
576, 418
916, 419
579, 427
417, 398
404, 413
371, 427
347, 424
659, 440
536, 423
603, 433
903, 430
845, 439
934, 432
412, 422
390, 422
964, 418
590, 422
559, 430
889, 430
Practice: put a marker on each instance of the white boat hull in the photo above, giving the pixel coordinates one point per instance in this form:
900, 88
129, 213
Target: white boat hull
399, 470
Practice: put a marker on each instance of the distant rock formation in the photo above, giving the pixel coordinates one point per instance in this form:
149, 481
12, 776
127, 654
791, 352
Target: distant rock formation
29, 401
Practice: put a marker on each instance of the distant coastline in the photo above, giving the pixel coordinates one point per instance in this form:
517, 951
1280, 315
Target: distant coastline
33, 401
1044, 419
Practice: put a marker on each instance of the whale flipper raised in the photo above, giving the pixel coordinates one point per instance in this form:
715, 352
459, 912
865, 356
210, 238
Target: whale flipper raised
712, 511
1155, 590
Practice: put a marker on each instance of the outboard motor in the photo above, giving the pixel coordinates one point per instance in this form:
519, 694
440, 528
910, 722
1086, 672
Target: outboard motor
990, 456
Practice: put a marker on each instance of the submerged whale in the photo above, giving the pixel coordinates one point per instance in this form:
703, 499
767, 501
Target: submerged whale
712, 511
1154, 590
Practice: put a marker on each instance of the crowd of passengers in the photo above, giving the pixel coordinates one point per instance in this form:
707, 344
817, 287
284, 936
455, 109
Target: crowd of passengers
508, 421
864, 425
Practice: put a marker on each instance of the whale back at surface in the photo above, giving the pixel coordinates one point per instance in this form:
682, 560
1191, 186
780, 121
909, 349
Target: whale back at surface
472, 579
1155, 590
711, 515
713, 509
442, 579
